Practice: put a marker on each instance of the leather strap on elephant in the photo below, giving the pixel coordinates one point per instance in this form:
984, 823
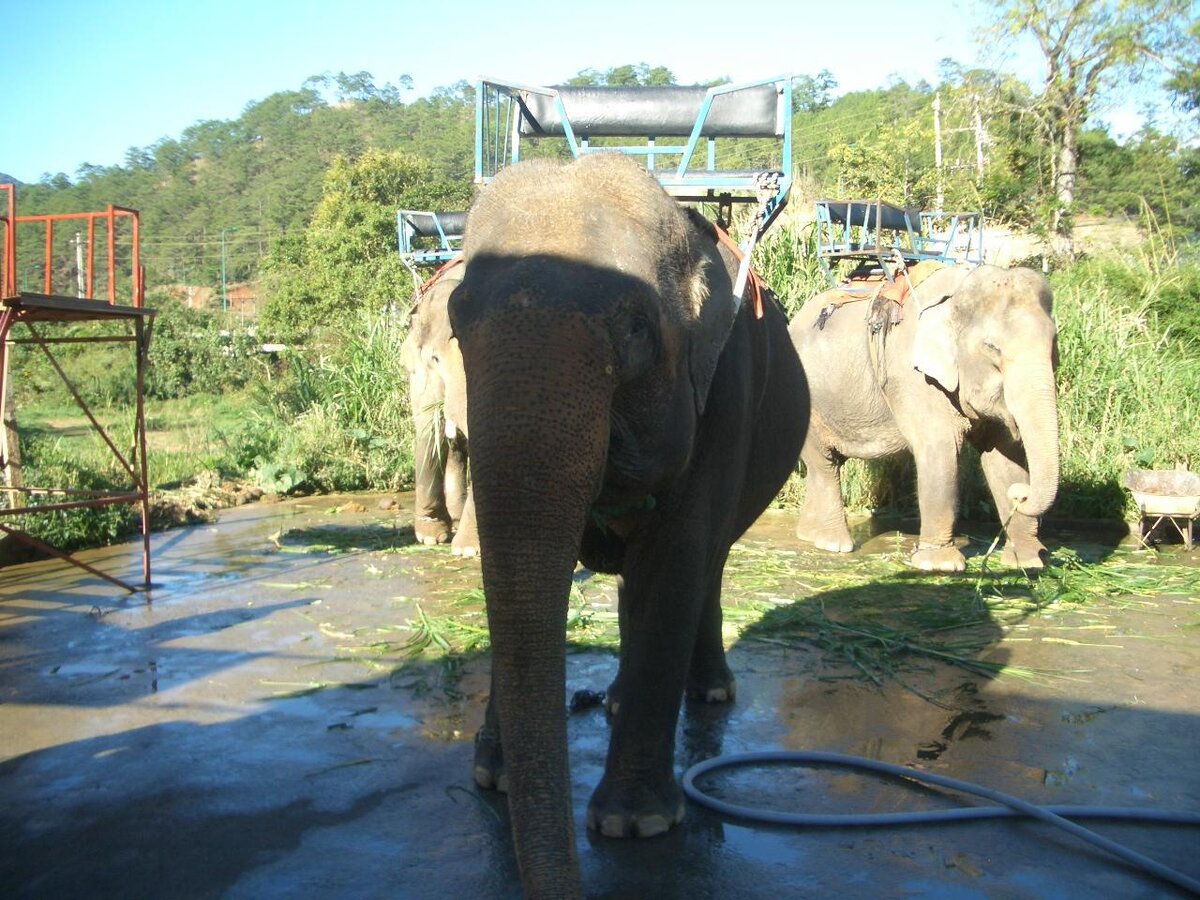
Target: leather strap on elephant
754, 281
887, 308
886, 300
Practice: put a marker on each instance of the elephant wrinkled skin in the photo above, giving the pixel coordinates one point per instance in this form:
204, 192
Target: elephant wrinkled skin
971, 359
437, 397
624, 413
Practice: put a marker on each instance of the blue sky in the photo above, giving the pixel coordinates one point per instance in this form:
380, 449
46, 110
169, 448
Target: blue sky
82, 82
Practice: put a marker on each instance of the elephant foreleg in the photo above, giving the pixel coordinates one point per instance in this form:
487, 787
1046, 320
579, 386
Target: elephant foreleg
659, 610
1022, 546
466, 536
489, 757
431, 520
823, 516
454, 479
937, 497
460, 500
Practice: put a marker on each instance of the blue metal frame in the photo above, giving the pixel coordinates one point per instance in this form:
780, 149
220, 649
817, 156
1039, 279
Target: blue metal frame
681, 180
449, 244
874, 232
500, 108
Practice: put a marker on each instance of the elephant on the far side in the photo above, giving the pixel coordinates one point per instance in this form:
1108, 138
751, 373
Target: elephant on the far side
444, 509
969, 356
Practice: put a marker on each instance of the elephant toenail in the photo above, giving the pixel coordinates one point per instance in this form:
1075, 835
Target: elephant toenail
651, 826
613, 826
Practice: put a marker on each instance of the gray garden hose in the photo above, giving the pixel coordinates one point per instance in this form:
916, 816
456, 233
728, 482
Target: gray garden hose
1008, 806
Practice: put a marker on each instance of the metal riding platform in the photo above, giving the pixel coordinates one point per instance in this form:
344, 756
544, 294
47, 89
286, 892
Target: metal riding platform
709, 132
120, 276
877, 237
429, 238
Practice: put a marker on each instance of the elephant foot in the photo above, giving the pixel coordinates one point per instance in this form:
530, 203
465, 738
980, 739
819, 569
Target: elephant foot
712, 685
1024, 555
612, 697
635, 809
465, 544
938, 559
833, 538
489, 761
431, 530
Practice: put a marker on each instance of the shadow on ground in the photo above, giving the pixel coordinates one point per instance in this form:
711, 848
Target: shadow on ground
259, 728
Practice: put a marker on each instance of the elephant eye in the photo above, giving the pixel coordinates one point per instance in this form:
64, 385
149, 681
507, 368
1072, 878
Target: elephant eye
637, 346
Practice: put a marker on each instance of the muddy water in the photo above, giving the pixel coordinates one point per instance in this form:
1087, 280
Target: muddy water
257, 724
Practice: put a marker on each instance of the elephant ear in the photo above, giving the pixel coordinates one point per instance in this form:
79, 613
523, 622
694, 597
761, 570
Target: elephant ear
708, 289
935, 346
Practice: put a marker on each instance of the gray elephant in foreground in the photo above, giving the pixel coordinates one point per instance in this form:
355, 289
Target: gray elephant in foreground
624, 412
437, 396
972, 358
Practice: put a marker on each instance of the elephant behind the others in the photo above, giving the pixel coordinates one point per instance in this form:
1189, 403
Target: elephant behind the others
966, 355
437, 396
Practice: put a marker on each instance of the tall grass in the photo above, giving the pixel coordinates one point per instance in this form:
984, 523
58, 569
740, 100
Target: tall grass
345, 413
1129, 393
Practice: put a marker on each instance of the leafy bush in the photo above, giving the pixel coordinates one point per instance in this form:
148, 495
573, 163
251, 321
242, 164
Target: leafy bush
47, 463
190, 352
347, 259
348, 424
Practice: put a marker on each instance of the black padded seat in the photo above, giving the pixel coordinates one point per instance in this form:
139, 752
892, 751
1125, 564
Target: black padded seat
423, 225
864, 213
668, 111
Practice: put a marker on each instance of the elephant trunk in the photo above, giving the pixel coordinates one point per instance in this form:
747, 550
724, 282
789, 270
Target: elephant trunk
1031, 398
538, 420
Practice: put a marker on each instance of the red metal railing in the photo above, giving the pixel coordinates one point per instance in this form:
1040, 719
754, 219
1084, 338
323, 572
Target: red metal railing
9, 285
109, 218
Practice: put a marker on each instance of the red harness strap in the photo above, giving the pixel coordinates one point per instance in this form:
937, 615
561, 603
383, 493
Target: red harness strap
755, 281
436, 277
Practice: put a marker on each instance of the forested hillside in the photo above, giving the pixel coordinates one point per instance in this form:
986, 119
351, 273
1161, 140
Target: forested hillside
249, 188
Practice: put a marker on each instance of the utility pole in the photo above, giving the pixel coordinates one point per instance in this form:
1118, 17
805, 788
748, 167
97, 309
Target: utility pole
937, 149
80, 286
980, 137
224, 284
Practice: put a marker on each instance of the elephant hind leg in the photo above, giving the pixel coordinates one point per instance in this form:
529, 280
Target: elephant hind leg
822, 519
709, 676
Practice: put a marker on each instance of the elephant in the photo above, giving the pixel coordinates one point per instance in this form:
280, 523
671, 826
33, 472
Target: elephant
437, 396
971, 358
628, 413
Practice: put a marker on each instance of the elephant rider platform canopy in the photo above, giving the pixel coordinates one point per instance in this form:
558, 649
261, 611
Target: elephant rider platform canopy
751, 121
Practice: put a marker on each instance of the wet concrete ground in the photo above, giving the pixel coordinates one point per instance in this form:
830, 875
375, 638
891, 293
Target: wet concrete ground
239, 732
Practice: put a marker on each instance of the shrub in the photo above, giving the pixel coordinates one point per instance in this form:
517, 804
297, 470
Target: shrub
48, 464
191, 352
349, 425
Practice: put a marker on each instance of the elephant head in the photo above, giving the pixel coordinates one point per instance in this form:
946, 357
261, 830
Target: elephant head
987, 337
591, 319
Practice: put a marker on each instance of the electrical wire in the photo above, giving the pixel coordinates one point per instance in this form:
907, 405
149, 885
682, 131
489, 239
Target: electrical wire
1007, 806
